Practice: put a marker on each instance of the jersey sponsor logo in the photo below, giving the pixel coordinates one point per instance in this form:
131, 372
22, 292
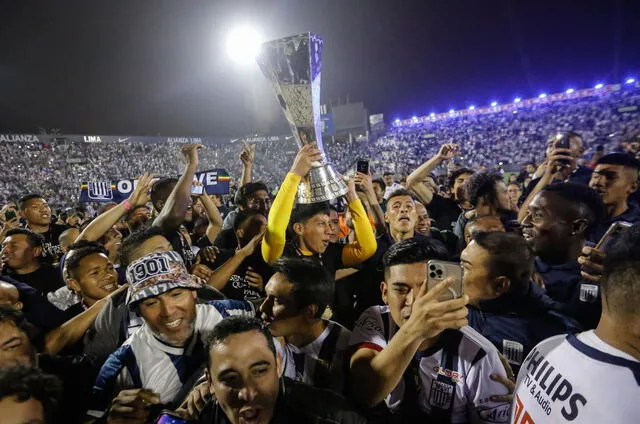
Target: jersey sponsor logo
520, 416
100, 191
455, 376
497, 414
546, 385
588, 293
513, 351
441, 394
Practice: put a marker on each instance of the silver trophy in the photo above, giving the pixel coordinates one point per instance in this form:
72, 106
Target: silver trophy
293, 65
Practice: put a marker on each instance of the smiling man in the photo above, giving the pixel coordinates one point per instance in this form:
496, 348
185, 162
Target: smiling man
167, 350
245, 379
556, 227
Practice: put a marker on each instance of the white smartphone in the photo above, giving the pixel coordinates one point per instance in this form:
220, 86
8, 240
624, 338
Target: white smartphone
437, 271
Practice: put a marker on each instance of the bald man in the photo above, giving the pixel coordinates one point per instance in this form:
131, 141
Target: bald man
67, 238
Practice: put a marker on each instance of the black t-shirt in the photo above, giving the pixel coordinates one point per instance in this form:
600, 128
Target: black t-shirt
238, 287
226, 239
180, 245
78, 375
331, 259
45, 279
51, 249
444, 212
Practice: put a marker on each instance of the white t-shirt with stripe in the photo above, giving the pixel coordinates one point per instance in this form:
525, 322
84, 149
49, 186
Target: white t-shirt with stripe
143, 361
454, 374
577, 379
303, 364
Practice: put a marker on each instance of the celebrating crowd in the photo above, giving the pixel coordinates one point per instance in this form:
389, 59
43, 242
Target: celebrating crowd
453, 293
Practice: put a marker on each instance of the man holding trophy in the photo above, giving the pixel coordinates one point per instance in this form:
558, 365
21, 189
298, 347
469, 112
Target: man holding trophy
293, 66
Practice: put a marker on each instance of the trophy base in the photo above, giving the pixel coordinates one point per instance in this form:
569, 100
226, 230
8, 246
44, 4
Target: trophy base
322, 183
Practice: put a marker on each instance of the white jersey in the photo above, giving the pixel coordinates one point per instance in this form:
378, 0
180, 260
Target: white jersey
143, 361
321, 363
577, 379
453, 376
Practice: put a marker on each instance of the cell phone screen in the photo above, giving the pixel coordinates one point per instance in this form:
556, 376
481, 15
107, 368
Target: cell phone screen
168, 418
197, 189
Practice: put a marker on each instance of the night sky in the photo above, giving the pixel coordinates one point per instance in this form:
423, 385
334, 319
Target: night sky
159, 67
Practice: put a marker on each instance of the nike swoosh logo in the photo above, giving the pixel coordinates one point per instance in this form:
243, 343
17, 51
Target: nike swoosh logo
120, 140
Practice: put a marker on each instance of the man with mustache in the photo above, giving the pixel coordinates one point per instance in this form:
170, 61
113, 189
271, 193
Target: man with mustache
157, 360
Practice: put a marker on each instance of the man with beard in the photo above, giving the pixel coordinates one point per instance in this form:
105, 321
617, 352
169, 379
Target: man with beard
36, 211
166, 352
615, 178
444, 211
556, 226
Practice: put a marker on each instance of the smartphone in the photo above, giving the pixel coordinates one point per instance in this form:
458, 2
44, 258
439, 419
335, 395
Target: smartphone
563, 141
197, 189
363, 166
168, 417
440, 270
9, 215
612, 233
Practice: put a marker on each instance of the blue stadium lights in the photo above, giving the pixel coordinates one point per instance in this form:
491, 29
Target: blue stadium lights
472, 107
599, 86
494, 104
415, 118
517, 100
397, 120
630, 80
451, 111
542, 95
569, 91
432, 114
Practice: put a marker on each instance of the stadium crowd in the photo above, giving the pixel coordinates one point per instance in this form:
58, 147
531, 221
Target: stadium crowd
438, 289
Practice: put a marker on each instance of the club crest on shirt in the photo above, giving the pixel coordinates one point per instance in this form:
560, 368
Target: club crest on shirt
441, 394
512, 351
588, 293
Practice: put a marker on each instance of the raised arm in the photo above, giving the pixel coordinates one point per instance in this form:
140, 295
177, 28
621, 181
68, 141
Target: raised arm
365, 244
280, 212
376, 371
414, 180
221, 275
247, 157
172, 214
73, 330
103, 223
215, 219
555, 162
366, 183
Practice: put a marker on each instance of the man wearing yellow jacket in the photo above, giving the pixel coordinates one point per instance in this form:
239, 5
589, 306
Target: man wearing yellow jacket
310, 229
